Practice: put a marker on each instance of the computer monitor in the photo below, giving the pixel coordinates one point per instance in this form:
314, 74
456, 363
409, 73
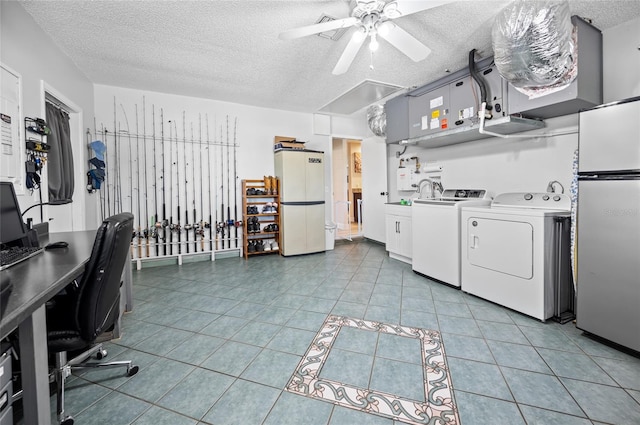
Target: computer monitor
12, 229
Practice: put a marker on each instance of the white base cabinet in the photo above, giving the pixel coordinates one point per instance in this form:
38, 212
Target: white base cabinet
398, 232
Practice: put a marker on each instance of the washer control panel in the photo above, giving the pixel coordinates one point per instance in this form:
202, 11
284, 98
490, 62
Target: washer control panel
543, 200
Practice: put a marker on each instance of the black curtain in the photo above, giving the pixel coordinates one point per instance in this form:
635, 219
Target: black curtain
60, 156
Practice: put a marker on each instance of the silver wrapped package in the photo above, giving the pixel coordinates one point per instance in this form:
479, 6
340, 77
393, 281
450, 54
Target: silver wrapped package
534, 45
377, 120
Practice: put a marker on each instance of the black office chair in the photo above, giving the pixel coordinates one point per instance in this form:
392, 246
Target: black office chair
86, 309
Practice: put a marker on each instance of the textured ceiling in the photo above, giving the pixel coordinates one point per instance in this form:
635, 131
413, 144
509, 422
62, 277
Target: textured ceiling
230, 50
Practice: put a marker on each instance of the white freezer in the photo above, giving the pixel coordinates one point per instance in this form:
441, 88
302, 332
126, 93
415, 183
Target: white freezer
303, 229
302, 204
301, 175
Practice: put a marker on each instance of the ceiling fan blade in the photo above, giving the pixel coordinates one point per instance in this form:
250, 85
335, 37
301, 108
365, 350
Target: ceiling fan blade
398, 8
318, 28
405, 42
348, 55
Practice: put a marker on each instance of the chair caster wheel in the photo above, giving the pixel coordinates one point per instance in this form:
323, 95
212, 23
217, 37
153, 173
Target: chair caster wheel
132, 370
101, 354
67, 421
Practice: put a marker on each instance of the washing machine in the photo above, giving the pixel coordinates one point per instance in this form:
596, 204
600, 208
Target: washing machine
515, 252
435, 224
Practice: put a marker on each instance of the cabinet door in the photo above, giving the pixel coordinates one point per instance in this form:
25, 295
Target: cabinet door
405, 240
397, 110
391, 233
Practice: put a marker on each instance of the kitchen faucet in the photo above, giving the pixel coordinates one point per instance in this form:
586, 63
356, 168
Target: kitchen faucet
418, 186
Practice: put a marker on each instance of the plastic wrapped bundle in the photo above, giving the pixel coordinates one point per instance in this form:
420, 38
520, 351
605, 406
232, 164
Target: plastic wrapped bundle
377, 120
534, 46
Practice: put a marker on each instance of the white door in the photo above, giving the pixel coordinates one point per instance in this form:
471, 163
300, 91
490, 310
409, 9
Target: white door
500, 245
374, 187
294, 229
316, 239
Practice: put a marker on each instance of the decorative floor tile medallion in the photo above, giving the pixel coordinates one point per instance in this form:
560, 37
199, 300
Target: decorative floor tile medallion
438, 406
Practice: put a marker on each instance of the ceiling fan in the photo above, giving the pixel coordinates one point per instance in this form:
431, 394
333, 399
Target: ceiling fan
371, 19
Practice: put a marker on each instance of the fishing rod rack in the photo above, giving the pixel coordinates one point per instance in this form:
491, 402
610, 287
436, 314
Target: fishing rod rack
179, 180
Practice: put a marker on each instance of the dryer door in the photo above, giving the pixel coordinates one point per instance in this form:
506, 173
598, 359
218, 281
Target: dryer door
501, 246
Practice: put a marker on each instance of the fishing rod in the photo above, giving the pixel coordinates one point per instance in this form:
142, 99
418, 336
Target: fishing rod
118, 165
235, 180
138, 184
145, 231
115, 158
187, 227
203, 224
170, 189
153, 220
211, 223
177, 227
107, 176
221, 224
229, 222
163, 224
193, 186
130, 172
126, 120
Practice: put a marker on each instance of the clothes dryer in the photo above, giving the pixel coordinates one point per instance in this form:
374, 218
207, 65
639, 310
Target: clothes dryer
515, 252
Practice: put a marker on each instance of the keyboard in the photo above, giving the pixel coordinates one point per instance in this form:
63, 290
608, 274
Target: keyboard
14, 255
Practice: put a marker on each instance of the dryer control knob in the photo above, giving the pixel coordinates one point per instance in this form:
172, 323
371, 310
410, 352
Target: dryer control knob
556, 198
528, 196
545, 197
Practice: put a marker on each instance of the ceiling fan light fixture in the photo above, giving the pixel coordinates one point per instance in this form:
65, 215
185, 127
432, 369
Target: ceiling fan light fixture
383, 28
360, 35
373, 45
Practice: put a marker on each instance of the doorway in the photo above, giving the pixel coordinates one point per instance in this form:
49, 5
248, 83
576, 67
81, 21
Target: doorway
347, 187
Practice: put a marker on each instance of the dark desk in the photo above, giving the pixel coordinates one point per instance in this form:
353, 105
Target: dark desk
35, 281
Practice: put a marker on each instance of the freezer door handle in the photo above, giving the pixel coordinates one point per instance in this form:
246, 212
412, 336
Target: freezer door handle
397, 227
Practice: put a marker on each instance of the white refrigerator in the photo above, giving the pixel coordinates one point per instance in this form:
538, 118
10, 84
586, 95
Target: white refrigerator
302, 209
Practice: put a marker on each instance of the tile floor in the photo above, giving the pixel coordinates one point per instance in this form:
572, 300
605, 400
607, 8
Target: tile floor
217, 342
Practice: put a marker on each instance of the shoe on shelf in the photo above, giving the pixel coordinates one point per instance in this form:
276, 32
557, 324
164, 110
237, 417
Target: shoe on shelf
274, 246
267, 245
251, 247
259, 245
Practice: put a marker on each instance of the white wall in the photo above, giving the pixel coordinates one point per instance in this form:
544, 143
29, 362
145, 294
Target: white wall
256, 128
30, 52
499, 165
517, 165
